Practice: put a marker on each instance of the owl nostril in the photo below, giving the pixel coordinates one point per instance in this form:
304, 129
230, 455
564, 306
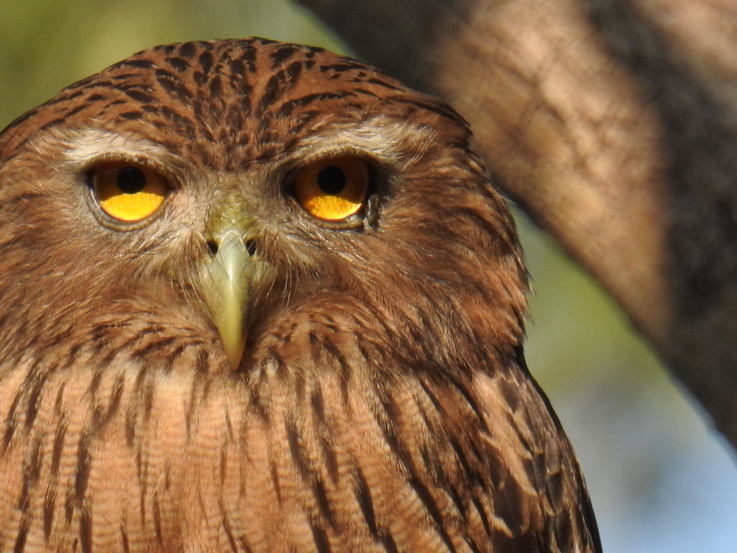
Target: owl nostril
251, 247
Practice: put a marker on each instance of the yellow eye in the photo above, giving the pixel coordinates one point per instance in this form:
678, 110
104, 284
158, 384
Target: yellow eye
128, 192
333, 188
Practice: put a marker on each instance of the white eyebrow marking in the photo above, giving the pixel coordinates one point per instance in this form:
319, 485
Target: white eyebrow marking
381, 136
86, 145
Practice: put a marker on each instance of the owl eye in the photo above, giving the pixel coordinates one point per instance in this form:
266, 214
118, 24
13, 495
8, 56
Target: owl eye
128, 192
332, 189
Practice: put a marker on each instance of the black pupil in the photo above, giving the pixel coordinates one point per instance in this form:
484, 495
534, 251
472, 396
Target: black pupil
331, 180
131, 180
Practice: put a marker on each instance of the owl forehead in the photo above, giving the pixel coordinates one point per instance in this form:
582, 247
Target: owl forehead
226, 103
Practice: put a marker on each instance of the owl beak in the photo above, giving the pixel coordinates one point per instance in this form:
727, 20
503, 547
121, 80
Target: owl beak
227, 280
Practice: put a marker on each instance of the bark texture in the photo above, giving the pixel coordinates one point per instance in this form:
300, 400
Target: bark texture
613, 123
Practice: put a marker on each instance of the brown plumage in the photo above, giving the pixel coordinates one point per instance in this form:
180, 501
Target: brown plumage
368, 395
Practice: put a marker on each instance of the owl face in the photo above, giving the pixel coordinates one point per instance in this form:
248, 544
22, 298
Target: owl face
231, 184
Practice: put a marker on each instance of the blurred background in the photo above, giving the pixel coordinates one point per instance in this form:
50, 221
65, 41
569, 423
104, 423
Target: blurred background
660, 479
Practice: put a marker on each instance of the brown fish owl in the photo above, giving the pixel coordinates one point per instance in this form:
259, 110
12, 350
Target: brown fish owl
262, 298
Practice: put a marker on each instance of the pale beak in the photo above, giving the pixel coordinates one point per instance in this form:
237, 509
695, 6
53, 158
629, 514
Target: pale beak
228, 276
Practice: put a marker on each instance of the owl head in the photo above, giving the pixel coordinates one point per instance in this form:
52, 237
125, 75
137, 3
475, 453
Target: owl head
241, 193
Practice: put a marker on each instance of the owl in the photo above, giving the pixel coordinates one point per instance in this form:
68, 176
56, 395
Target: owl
261, 298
